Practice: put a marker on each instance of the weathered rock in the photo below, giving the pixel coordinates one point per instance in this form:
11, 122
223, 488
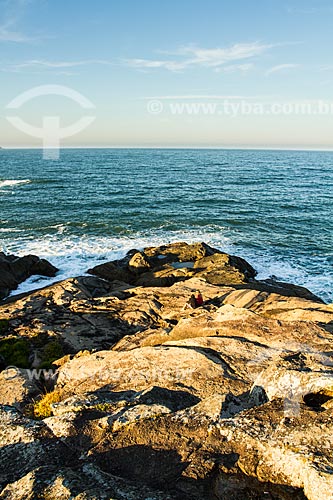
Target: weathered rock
230, 400
297, 377
165, 265
179, 252
272, 305
281, 288
168, 264
139, 263
229, 312
91, 313
222, 433
64, 312
166, 366
14, 270
16, 387
224, 269
25, 445
111, 272
85, 482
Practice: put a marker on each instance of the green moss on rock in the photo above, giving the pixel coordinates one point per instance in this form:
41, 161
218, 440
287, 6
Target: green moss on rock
15, 352
51, 351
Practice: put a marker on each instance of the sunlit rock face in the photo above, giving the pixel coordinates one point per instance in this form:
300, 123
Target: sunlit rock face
150, 398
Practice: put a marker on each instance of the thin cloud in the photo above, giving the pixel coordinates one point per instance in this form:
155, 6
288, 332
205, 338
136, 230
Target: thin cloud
39, 64
149, 64
191, 57
281, 67
243, 68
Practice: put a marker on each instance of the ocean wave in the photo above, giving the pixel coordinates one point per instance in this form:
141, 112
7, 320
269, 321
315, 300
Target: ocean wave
295, 272
11, 230
13, 182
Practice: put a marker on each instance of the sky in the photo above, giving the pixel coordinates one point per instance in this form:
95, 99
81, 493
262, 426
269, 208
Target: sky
179, 73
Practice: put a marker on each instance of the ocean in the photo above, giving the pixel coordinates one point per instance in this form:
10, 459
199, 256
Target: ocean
273, 208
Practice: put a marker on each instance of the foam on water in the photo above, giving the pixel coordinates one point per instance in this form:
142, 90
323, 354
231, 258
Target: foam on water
13, 182
294, 272
73, 256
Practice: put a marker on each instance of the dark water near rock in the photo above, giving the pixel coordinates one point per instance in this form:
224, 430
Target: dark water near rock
273, 208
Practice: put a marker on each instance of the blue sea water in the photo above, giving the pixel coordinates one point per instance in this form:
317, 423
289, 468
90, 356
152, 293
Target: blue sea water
274, 208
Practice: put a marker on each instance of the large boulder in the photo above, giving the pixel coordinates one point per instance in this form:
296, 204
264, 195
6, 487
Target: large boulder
168, 264
14, 270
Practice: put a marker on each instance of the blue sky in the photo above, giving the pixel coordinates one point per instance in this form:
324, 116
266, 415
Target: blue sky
122, 54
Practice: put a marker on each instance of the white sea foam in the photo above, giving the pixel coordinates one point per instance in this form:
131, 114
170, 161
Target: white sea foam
293, 272
10, 230
75, 255
13, 182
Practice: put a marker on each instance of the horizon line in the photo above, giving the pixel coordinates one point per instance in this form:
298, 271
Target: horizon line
226, 148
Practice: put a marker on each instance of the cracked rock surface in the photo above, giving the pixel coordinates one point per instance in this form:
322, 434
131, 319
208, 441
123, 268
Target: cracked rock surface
155, 400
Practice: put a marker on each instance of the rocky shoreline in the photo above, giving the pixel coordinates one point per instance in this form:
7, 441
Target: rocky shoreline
120, 391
